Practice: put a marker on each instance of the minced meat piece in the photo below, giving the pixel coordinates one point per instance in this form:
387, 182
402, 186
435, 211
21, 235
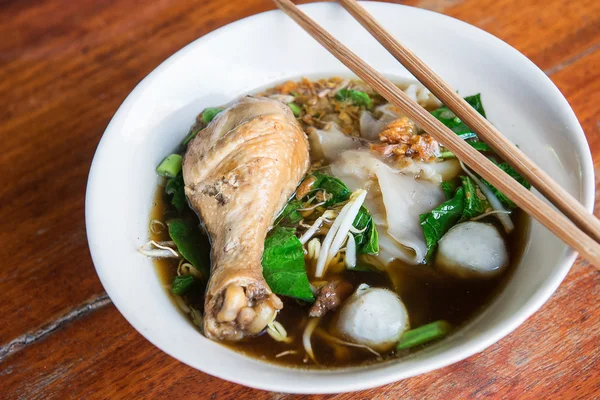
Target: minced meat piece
330, 296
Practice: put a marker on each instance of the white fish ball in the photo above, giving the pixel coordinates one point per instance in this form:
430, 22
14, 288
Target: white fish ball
374, 317
472, 250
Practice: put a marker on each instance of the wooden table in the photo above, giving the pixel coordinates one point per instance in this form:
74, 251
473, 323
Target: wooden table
65, 68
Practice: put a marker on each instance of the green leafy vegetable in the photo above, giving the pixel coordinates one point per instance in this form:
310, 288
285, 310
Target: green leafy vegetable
506, 202
283, 265
372, 245
423, 334
475, 201
356, 96
367, 242
210, 113
182, 284
191, 243
479, 146
290, 215
439, 221
463, 204
332, 186
449, 187
170, 166
448, 118
295, 109
336, 190
176, 189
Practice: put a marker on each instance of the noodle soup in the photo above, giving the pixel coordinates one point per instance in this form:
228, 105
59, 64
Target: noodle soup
387, 243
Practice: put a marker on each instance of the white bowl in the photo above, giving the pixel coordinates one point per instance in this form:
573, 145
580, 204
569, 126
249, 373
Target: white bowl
266, 48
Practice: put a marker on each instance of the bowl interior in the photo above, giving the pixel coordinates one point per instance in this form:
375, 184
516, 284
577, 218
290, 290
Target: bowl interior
239, 58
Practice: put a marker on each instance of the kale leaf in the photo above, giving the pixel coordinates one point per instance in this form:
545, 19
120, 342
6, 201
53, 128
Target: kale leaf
181, 284
449, 187
475, 201
191, 243
506, 202
176, 189
439, 220
367, 242
290, 216
332, 186
448, 118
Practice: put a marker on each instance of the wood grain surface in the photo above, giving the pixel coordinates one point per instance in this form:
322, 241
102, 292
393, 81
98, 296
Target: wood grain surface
66, 66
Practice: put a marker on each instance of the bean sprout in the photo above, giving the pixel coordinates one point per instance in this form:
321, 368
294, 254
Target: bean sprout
168, 243
153, 228
277, 331
330, 215
286, 353
308, 331
313, 248
312, 230
311, 207
333, 339
341, 234
310, 200
181, 304
357, 231
487, 214
336, 236
160, 250
185, 268
350, 258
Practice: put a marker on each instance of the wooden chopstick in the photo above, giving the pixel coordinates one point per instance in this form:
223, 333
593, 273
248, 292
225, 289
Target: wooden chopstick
558, 196
557, 223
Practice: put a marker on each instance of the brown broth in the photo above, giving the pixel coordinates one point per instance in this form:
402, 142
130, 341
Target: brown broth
428, 296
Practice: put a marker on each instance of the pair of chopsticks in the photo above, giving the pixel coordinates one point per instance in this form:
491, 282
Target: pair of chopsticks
581, 230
